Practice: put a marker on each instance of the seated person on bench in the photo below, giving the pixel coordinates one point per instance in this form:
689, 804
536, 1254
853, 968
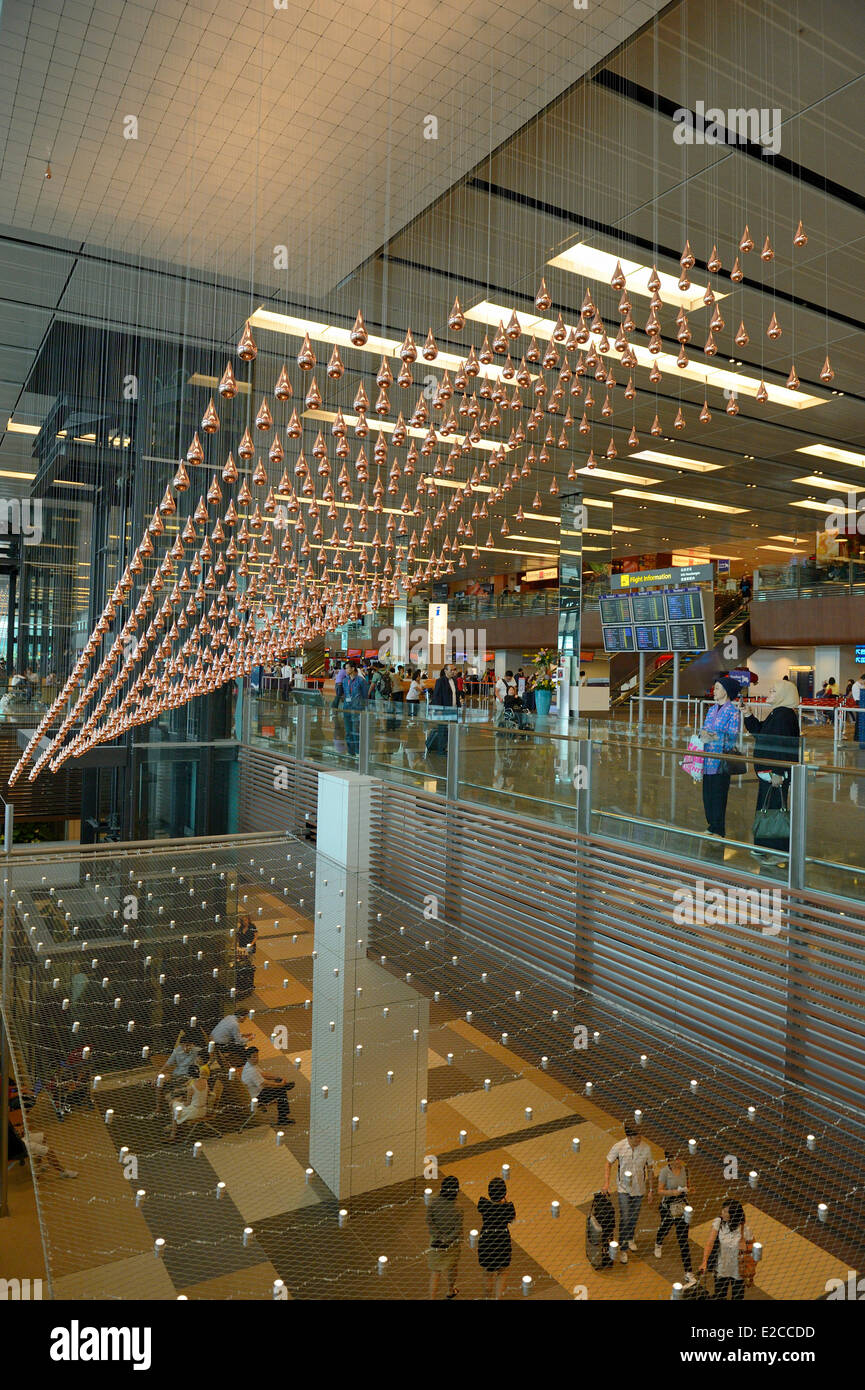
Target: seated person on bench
195, 1106
265, 1087
180, 1065
229, 1039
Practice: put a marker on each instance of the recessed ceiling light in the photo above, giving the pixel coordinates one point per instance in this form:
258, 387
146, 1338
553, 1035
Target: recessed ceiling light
831, 484
692, 465
582, 259
25, 477
828, 451
784, 549
15, 428
719, 377
810, 506
619, 477
689, 502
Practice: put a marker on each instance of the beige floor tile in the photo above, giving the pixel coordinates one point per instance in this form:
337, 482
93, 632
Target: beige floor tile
91, 1219
261, 1177
501, 1110
792, 1266
571, 1177
142, 1276
275, 995
256, 1282
443, 1128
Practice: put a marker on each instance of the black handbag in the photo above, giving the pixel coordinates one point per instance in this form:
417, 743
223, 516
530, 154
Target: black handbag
735, 763
772, 822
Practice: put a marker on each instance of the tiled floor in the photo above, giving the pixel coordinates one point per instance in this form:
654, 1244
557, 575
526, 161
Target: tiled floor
487, 1107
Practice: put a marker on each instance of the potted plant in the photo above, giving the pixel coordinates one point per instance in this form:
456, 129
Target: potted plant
543, 682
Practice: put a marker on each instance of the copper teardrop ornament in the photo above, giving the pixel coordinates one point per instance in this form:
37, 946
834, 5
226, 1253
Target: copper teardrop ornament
767, 254
800, 237
762, 394
264, 419
246, 349
737, 274
358, 334
746, 242
687, 259
456, 317
306, 356
742, 338
181, 478
705, 414
543, 299
827, 375
774, 329
335, 367
793, 379
713, 264
679, 422
228, 383
282, 390
617, 280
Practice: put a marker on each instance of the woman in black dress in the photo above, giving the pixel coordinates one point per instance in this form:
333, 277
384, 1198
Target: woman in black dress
245, 939
776, 740
494, 1246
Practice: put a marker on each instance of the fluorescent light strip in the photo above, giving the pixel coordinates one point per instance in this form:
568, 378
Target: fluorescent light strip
831, 484
827, 451
582, 259
15, 428
670, 461
816, 506
620, 477
25, 477
378, 347
739, 384
197, 379
786, 538
387, 428
785, 549
681, 502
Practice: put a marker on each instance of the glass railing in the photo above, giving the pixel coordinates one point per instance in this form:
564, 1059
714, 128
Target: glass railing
603, 778
810, 580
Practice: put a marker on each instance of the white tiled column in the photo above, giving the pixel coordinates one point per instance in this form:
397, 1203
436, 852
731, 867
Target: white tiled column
357, 1115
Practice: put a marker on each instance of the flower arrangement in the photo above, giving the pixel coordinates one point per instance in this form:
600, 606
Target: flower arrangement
542, 662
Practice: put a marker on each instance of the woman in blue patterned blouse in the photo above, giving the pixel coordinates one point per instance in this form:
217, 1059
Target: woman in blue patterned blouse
719, 735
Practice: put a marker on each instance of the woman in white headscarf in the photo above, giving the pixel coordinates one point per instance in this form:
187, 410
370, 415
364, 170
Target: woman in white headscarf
776, 741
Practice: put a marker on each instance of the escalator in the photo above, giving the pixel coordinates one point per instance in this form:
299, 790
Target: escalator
731, 621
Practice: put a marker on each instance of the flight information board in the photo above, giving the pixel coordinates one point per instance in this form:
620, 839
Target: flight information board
663, 620
615, 609
618, 639
648, 608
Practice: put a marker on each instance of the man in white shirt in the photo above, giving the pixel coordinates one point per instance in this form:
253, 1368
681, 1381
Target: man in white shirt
264, 1087
633, 1158
228, 1037
505, 685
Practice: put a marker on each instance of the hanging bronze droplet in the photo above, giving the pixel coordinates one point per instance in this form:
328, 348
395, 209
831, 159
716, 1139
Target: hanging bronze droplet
264, 419
228, 383
655, 428
742, 338
429, 350
793, 380
306, 357
732, 406
767, 254
543, 299
456, 317
826, 374
617, 279
359, 335
181, 478
408, 351
774, 329
705, 413
762, 394
246, 349
687, 260
679, 422
335, 367
737, 274
282, 390
714, 262
747, 241
800, 237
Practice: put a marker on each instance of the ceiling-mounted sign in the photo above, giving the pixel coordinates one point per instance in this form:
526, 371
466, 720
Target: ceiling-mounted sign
684, 574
